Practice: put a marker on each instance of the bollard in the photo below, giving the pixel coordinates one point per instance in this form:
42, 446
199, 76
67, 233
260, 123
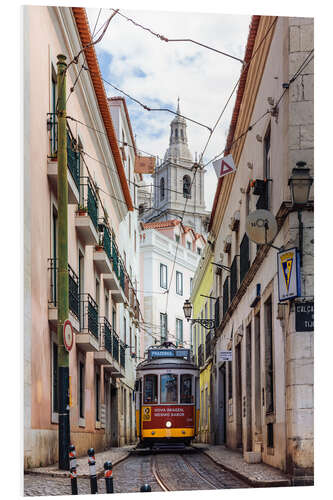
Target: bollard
108, 477
145, 487
72, 468
92, 471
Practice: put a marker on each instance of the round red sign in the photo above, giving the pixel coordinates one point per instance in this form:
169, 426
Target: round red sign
68, 335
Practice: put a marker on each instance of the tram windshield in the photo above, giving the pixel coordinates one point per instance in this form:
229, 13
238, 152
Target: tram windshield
150, 389
169, 388
186, 389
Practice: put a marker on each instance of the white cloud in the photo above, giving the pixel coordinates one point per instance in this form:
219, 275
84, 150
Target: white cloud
203, 79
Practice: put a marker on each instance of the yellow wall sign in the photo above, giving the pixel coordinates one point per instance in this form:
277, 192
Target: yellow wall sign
146, 413
288, 274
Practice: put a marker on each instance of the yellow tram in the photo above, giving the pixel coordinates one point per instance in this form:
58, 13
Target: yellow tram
167, 397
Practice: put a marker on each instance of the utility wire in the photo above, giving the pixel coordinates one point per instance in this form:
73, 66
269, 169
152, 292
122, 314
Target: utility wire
165, 39
147, 108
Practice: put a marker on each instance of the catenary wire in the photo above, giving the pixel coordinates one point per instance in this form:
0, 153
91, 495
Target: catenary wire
165, 39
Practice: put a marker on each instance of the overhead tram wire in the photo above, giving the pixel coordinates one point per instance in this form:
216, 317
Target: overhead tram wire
92, 43
165, 39
144, 106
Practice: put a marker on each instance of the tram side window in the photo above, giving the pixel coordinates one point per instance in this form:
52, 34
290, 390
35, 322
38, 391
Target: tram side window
186, 389
169, 390
150, 392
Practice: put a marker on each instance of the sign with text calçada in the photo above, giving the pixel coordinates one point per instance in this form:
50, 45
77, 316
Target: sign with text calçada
224, 166
288, 274
225, 356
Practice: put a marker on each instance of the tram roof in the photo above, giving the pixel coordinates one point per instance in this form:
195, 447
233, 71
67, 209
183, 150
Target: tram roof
159, 363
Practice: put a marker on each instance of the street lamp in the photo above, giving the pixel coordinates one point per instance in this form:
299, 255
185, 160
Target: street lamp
300, 184
209, 324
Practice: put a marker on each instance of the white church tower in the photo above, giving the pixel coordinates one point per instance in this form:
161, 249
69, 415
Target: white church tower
172, 182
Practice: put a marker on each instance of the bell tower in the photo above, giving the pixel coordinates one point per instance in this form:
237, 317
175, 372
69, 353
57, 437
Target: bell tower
174, 185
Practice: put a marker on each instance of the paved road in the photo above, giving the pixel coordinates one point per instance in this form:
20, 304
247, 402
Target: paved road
175, 471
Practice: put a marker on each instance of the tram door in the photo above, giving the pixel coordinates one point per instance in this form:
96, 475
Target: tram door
221, 416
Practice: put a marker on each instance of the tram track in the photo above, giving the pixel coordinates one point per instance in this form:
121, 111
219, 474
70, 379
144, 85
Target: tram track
194, 475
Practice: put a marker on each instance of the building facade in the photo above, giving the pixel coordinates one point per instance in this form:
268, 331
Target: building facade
169, 254
100, 285
263, 397
203, 302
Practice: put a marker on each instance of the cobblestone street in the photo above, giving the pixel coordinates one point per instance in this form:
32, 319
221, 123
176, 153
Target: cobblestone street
190, 471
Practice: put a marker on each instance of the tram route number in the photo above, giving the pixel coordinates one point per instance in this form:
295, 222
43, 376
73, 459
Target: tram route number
146, 413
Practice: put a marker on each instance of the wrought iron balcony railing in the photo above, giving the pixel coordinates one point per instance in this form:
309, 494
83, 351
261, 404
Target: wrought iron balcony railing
88, 199
122, 355
107, 335
73, 161
73, 287
115, 346
89, 314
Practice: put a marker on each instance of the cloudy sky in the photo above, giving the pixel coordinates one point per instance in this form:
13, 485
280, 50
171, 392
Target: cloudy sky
157, 73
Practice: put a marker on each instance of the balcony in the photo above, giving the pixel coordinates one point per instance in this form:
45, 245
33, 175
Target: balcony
73, 295
115, 369
208, 344
102, 253
86, 217
104, 355
88, 337
115, 281
73, 169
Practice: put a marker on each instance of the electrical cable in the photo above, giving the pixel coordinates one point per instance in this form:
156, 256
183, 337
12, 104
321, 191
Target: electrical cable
165, 39
147, 108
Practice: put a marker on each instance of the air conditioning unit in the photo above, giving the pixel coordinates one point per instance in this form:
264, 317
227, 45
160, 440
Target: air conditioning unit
255, 295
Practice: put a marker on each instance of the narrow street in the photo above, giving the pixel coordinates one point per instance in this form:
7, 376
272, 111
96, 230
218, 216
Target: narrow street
162, 471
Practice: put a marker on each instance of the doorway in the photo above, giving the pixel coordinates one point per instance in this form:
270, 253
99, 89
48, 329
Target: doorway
221, 421
257, 378
248, 388
239, 414
114, 416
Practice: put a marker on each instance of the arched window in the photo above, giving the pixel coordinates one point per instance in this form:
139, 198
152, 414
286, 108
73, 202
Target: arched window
182, 133
176, 133
186, 186
162, 188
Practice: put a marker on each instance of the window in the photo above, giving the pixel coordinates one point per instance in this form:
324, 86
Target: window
267, 164
150, 389
164, 326
199, 251
53, 111
179, 283
163, 276
125, 331
233, 278
269, 365
191, 285
169, 388
188, 244
97, 292
186, 186
162, 189
81, 389
97, 389
177, 237
229, 365
179, 331
54, 377
225, 295
54, 253
106, 312
244, 260
186, 389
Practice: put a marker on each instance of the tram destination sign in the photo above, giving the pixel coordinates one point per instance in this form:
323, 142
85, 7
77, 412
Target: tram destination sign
304, 316
169, 353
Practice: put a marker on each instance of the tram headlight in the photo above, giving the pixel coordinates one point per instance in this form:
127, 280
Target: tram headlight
168, 424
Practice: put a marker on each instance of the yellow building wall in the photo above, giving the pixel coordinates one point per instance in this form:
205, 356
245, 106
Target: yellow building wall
199, 336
